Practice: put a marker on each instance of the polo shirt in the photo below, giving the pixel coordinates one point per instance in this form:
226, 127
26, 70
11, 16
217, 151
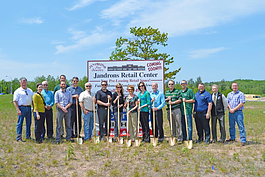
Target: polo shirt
202, 99
87, 99
75, 91
38, 103
23, 96
235, 99
188, 95
175, 95
159, 99
63, 97
103, 96
145, 99
48, 96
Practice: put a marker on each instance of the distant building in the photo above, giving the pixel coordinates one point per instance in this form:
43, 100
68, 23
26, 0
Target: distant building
252, 97
128, 67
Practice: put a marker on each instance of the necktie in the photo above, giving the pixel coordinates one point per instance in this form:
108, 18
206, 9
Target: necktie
214, 98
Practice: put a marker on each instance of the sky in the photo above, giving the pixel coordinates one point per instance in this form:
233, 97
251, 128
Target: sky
212, 39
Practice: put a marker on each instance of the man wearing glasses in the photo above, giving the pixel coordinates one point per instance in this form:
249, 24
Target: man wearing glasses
75, 90
22, 101
173, 98
86, 99
49, 100
102, 97
189, 98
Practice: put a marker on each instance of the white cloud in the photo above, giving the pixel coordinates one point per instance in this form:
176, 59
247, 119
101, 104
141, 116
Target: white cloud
32, 21
82, 3
202, 53
55, 42
182, 16
76, 34
85, 42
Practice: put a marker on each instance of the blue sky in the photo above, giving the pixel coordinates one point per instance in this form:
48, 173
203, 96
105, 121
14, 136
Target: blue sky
212, 39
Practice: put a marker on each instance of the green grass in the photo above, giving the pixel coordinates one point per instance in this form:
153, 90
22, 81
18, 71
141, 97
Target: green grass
48, 159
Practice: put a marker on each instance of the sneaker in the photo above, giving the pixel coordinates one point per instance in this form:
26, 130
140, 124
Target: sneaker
20, 140
230, 140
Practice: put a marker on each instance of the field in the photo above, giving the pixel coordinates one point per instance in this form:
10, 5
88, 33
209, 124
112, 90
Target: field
88, 159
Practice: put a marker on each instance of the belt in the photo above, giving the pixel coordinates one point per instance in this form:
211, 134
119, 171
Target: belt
25, 105
201, 112
88, 110
103, 108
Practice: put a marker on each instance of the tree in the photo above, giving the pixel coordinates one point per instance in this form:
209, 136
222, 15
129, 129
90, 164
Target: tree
144, 46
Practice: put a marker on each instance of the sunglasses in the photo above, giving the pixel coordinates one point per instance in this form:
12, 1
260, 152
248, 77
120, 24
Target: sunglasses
183, 83
118, 87
45, 84
141, 85
170, 84
88, 85
103, 84
26, 92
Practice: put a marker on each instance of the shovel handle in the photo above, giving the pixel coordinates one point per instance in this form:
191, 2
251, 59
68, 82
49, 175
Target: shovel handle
185, 112
94, 114
77, 117
154, 120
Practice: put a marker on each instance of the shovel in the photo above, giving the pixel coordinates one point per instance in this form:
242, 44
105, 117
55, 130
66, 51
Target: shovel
154, 124
172, 140
109, 139
187, 143
96, 138
128, 142
120, 140
78, 140
138, 141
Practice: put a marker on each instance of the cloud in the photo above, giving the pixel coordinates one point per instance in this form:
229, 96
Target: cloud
202, 53
76, 34
54, 42
86, 41
82, 3
182, 16
32, 21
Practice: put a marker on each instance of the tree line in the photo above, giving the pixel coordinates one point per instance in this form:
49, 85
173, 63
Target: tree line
247, 86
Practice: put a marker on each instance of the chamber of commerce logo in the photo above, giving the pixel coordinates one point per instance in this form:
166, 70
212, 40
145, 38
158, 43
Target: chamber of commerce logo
128, 67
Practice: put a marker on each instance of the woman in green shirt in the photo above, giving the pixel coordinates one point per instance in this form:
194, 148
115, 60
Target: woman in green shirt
145, 101
39, 113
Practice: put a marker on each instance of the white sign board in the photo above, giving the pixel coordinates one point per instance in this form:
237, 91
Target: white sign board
129, 72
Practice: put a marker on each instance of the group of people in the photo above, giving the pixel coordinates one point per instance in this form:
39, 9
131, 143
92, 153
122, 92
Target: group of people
72, 100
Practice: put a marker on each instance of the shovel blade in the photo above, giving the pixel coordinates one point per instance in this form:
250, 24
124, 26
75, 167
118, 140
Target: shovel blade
186, 143
120, 140
190, 144
172, 141
155, 142
110, 140
96, 140
79, 140
129, 143
137, 143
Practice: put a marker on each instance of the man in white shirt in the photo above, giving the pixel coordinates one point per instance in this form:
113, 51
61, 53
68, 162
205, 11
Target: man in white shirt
22, 101
86, 99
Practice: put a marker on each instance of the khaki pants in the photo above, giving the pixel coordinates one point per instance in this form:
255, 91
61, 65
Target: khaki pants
132, 125
176, 123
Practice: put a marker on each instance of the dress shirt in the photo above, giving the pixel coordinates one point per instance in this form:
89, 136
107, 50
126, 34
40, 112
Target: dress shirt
48, 96
23, 97
75, 91
235, 99
63, 98
214, 98
159, 99
87, 99
58, 87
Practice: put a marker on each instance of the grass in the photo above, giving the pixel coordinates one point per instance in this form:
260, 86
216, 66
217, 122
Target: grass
88, 159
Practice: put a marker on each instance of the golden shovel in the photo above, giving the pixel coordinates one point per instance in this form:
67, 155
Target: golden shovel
128, 142
109, 139
188, 143
96, 138
172, 140
120, 139
138, 141
78, 139
155, 140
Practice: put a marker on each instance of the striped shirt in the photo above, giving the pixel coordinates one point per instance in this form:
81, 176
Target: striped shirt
145, 99
235, 99
175, 95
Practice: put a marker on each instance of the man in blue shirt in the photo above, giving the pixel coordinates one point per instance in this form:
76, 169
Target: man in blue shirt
49, 100
236, 100
159, 99
202, 109
75, 90
63, 101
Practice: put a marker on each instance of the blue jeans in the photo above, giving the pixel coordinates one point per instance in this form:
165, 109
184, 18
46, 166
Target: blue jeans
238, 118
25, 112
189, 121
88, 124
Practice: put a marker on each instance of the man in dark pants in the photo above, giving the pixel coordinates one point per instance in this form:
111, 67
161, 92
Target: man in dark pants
102, 97
159, 99
218, 112
49, 100
202, 109
75, 90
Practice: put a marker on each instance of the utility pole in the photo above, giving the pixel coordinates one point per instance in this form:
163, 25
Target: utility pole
11, 87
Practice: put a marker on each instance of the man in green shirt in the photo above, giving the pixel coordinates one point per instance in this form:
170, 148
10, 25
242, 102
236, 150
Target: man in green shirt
173, 98
189, 98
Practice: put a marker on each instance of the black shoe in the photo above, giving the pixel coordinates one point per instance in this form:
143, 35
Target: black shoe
58, 142
230, 140
197, 141
20, 140
221, 141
